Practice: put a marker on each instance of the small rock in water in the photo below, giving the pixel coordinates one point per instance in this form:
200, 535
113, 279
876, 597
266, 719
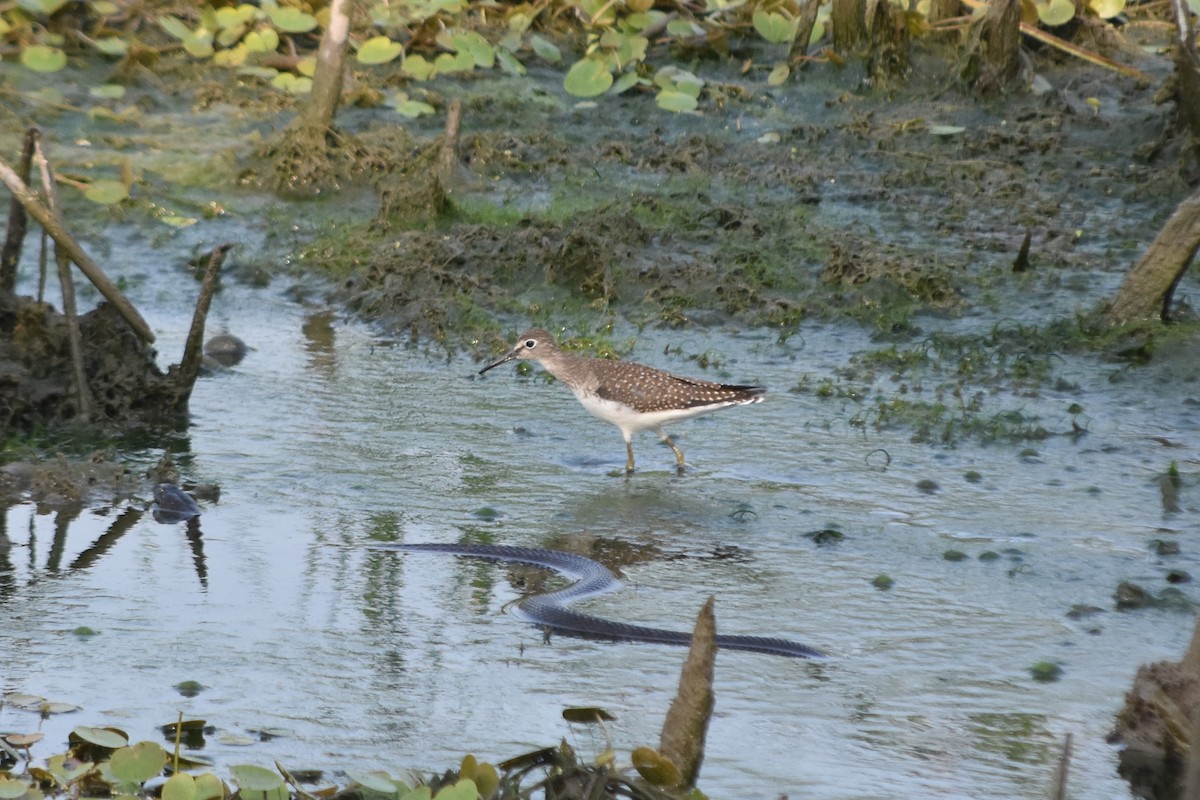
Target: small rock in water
226, 349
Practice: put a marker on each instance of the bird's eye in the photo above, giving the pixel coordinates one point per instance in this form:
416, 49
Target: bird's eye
531, 343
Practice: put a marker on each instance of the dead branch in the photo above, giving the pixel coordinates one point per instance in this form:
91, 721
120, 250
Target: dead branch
189, 366
83, 395
34, 207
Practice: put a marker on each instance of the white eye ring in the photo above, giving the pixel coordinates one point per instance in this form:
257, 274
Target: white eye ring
530, 343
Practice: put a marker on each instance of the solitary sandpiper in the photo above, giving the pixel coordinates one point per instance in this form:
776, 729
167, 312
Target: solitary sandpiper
631, 396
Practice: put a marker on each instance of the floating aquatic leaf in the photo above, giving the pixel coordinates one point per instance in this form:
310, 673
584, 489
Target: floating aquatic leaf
11, 789
232, 17
684, 28
417, 68
1107, 9
266, 73
779, 74
376, 781
478, 48
26, 702
410, 108
655, 767
379, 50
307, 66
291, 20
587, 77
199, 43
106, 192
111, 46
209, 787
58, 708
108, 91
1056, 12
509, 63
43, 58
292, 84
138, 763
265, 40
110, 738
23, 739
548, 51
174, 26
465, 789
627, 81
65, 769
254, 778
773, 26
47, 7
233, 57
179, 786
176, 221
446, 64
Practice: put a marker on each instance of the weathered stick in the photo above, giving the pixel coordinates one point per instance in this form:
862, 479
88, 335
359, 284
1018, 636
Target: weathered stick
447, 156
83, 395
15, 237
29, 199
189, 366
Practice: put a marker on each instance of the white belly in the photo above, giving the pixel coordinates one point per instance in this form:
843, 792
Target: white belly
630, 421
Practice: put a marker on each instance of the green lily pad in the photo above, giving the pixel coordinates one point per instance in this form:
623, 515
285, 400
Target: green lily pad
779, 74
110, 738
107, 91
463, 790
1056, 12
11, 789
43, 58
587, 77
209, 787
773, 26
138, 763
292, 84
179, 786
379, 50
291, 20
255, 779
676, 101
111, 46
546, 50
510, 63
174, 26
106, 192
480, 49
411, 108
417, 68
376, 781
625, 82
46, 7
265, 40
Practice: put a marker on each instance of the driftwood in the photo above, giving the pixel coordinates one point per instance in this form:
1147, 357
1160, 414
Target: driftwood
1148, 288
96, 367
17, 219
45, 217
83, 396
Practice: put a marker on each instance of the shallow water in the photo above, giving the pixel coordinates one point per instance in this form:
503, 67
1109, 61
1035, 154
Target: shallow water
328, 438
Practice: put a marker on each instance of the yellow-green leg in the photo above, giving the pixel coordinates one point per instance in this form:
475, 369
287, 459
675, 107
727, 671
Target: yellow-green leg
678, 452
629, 459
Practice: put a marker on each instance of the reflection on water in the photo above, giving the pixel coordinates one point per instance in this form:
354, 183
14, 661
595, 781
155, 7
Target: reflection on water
326, 439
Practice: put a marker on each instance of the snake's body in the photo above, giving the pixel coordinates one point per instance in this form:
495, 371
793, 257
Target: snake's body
591, 578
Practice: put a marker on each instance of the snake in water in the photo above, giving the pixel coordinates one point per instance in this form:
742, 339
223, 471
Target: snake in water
549, 609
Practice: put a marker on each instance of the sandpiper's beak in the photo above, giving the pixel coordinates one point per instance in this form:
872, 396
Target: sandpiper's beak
511, 355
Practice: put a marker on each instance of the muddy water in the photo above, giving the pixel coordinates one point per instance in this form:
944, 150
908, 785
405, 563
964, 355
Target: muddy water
328, 438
